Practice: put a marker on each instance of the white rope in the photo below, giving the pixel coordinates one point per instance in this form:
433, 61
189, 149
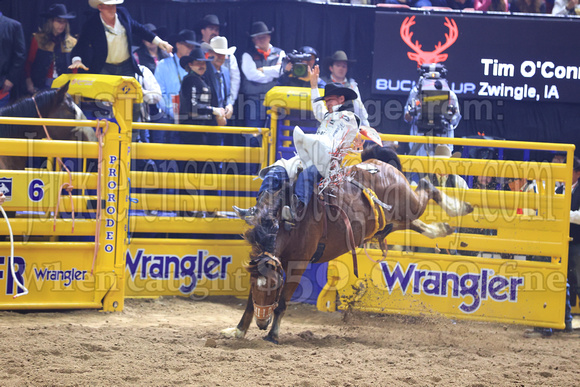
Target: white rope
11, 259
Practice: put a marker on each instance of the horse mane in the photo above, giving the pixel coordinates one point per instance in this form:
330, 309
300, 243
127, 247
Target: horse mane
25, 107
262, 236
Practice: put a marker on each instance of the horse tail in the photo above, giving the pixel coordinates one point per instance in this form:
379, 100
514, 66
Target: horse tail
385, 154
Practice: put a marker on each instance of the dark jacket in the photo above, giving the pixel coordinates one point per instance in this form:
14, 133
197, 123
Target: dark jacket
92, 45
145, 59
12, 50
574, 206
195, 101
211, 77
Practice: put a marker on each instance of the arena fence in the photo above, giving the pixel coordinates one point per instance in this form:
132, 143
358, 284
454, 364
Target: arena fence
506, 262
173, 233
160, 233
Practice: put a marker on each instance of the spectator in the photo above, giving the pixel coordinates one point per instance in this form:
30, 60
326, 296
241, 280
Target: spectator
491, 5
449, 116
289, 79
566, 7
50, 49
338, 66
196, 95
219, 75
149, 54
528, 6
447, 180
454, 4
170, 74
12, 56
209, 27
261, 68
106, 39
411, 3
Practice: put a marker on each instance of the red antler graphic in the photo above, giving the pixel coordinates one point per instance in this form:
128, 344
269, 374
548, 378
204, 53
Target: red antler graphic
435, 56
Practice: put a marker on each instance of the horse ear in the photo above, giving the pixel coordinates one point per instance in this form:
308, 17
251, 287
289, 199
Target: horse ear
62, 92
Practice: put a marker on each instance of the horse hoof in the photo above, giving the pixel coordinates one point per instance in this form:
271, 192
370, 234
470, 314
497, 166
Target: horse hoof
271, 339
233, 333
468, 208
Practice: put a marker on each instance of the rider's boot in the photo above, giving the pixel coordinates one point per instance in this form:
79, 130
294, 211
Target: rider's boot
294, 212
245, 213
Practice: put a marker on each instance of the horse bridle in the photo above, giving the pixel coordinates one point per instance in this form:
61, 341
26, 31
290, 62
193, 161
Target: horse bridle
263, 312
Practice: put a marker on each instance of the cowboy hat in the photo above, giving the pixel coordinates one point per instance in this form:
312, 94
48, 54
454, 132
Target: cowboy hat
196, 54
443, 151
259, 28
95, 3
187, 36
339, 56
210, 20
338, 90
219, 45
58, 10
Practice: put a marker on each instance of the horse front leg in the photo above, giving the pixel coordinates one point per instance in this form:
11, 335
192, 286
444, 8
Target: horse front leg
287, 292
240, 330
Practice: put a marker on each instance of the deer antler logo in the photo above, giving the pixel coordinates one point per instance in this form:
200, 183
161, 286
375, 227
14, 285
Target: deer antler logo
435, 56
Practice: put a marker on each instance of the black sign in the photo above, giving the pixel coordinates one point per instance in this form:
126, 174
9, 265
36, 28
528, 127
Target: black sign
507, 57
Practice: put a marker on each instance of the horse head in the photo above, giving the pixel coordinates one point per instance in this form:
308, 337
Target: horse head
266, 282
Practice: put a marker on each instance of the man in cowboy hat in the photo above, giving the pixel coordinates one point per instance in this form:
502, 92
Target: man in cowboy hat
12, 56
446, 179
169, 75
338, 132
106, 39
209, 27
261, 68
218, 75
338, 67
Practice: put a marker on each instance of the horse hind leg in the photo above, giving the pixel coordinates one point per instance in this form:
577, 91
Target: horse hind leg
452, 206
432, 230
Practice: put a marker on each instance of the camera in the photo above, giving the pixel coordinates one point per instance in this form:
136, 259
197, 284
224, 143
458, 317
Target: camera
299, 62
433, 108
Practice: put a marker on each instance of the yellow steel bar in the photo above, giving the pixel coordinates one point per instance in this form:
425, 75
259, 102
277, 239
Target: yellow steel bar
187, 225
206, 203
199, 128
197, 152
46, 148
52, 305
506, 199
80, 180
478, 142
80, 202
186, 242
201, 181
473, 167
274, 134
44, 227
266, 149
48, 122
487, 219
524, 245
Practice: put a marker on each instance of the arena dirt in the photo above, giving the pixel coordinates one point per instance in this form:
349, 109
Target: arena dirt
176, 341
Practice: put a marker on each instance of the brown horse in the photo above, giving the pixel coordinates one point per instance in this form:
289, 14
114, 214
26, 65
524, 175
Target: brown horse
53, 103
280, 250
